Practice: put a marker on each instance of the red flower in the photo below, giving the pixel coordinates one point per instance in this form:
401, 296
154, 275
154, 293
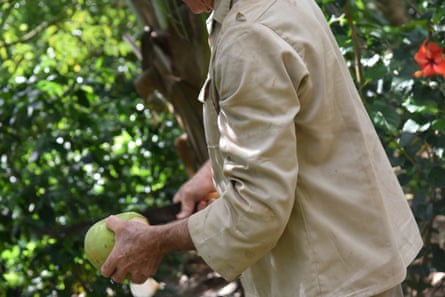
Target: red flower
431, 59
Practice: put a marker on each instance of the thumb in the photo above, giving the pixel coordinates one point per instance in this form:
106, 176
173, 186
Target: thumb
108, 267
187, 208
114, 223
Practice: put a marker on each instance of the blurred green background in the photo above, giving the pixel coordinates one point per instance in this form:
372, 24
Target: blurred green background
78, 142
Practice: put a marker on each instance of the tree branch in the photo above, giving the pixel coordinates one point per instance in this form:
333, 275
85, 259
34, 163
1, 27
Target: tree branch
414, 7
34, 33
6, 12
357, 48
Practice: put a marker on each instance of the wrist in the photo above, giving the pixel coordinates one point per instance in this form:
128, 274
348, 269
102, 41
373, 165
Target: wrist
174, 237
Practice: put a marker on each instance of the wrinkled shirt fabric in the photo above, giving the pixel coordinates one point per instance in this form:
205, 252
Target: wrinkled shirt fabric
309, 204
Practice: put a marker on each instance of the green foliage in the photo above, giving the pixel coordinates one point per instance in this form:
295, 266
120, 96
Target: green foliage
76, 142
408, 112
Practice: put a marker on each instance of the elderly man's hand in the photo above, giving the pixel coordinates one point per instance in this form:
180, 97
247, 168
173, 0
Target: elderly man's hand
197, 192
137, 251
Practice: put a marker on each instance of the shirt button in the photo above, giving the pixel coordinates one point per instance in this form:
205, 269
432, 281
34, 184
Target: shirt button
240, 17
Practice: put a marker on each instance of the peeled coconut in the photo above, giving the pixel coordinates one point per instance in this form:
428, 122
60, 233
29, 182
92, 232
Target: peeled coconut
99, 240
147, 289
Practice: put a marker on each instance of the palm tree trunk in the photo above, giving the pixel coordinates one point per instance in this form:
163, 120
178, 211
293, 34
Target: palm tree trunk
394, 11
175, 56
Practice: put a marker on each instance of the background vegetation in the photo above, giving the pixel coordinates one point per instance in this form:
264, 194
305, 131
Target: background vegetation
408, 112
77, 142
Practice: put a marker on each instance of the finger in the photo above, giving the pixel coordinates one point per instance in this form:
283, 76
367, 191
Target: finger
107, 268
119, 276
114, 223
202, 204
210, 201
187, 209
177, 198
110, 265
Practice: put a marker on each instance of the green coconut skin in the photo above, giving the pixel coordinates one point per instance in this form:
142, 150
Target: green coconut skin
99, 240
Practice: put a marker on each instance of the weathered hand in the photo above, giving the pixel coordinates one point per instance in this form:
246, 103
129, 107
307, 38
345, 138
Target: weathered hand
188, 199
196, 192
207, 200
137, 251
192, 201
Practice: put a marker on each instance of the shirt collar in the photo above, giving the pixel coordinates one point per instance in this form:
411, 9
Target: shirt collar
220, 10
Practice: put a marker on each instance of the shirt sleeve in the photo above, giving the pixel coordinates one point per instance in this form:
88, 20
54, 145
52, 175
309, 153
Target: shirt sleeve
257, 76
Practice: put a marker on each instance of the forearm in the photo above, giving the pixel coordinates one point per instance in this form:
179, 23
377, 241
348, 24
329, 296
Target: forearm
175, 237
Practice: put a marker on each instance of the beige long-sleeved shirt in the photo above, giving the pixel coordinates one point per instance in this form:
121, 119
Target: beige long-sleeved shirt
309, 204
